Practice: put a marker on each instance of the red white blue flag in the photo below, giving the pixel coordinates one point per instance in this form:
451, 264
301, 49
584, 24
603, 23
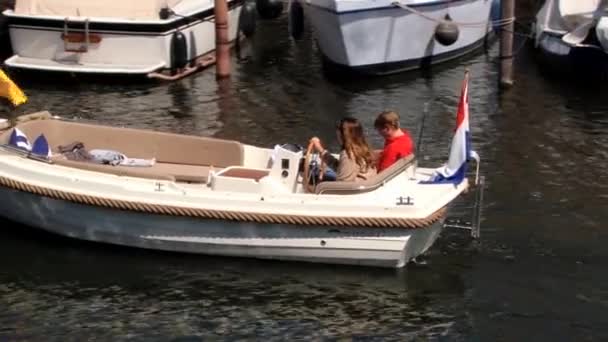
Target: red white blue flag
454, 171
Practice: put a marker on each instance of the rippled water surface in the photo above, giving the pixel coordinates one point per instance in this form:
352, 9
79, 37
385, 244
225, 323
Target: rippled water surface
537, 273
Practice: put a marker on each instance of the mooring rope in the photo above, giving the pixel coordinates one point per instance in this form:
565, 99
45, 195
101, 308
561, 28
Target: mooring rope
500, 22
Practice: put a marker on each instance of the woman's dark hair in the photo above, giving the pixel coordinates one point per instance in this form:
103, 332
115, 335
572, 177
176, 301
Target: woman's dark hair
353, 141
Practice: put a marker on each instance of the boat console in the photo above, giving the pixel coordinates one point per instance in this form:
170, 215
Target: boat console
280, 177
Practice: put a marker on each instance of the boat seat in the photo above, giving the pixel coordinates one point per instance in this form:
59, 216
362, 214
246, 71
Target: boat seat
242, 172
177, 151
160, 171
349, 188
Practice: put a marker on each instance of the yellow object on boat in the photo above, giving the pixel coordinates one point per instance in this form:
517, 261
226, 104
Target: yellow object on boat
10, 90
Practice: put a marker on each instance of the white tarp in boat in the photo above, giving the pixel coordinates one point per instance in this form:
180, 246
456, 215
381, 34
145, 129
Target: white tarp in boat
549, 17
578, 7
566, 15
574, 18
577, 12
601, 30
131, 9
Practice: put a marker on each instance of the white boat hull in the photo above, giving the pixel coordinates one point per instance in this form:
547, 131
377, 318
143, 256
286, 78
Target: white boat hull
378, 37
383, 247
124, 47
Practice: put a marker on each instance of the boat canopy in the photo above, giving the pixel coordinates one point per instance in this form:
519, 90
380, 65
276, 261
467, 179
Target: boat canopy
578, 7
579, 13
131, 9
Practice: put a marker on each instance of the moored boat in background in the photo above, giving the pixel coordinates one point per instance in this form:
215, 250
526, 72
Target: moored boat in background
133, 38
572, 38
381, 37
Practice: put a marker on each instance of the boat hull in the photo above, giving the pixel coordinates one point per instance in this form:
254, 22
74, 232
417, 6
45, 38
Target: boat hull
583, 62
383, 39
117, 48
384, 247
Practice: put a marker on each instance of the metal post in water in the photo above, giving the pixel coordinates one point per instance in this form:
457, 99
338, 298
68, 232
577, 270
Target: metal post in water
507, 9
222, 41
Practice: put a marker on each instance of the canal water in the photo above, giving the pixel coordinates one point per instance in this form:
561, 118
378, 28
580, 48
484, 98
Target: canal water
538, 273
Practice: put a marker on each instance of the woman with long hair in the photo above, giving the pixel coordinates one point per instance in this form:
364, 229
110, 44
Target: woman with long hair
356, 162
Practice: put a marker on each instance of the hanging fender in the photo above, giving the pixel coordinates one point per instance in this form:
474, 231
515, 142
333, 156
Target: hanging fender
247, 18
446, 33
179, 51
269, 9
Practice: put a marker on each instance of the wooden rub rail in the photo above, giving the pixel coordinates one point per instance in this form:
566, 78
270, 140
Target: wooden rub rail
223, 214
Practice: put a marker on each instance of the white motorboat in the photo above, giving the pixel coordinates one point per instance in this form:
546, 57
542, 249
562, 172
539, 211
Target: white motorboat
572, 37
213, 196
385, 36
133, 37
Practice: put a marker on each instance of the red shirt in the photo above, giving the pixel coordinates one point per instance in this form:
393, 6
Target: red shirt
395, 149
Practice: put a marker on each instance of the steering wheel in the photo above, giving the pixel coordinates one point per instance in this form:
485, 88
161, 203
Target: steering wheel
307, 172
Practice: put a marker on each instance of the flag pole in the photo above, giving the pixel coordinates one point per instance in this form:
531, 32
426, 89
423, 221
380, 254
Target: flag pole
421, 129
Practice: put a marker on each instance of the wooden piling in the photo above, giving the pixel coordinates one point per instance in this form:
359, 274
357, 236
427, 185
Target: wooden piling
507, 9
222, 41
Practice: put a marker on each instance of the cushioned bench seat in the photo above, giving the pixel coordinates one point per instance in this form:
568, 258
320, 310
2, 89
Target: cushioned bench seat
179, 157
161, 171
135, 143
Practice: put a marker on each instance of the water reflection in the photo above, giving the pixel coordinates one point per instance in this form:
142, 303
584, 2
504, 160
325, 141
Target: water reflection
124, 291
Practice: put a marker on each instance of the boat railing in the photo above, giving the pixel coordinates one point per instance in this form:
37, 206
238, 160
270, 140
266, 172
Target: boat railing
474, 226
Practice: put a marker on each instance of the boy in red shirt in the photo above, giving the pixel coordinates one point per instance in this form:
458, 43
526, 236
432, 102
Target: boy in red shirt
397, 142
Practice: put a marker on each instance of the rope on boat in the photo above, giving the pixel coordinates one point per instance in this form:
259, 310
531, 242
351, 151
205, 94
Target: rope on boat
499, 22
379, 222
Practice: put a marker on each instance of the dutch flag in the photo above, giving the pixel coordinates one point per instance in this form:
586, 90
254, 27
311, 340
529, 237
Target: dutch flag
41, 147
19, 139
454, 171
